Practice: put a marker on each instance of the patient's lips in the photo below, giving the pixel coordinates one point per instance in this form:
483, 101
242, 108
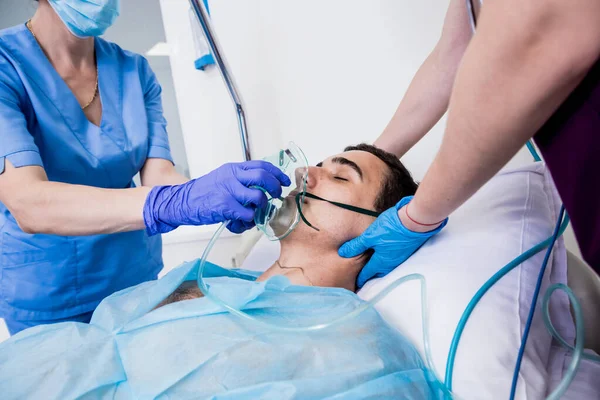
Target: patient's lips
292, 196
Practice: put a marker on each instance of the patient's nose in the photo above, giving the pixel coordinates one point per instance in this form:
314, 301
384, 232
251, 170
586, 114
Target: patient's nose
299, 174
314, 175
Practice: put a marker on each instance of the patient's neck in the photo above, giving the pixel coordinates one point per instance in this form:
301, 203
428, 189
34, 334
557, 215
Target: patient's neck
309, 266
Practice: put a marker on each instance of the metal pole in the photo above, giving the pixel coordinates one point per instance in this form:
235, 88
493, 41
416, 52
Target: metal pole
204, 20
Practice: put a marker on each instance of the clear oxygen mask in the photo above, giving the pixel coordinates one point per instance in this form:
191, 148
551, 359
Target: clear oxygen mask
281, 215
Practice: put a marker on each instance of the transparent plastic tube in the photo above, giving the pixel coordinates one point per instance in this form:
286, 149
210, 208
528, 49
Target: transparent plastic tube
578, 317
447, 385
578, 353
579, 337
536, 293
311, 328
578, 350
482, 291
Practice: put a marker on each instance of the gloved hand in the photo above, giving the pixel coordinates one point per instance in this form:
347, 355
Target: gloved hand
222, 195
392, 241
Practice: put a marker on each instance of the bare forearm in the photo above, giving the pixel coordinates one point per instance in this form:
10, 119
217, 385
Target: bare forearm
508, 85
178, 179
170, 178
74, 210
160, 172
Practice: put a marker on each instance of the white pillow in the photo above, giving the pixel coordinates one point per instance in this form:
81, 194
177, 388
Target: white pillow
516, 210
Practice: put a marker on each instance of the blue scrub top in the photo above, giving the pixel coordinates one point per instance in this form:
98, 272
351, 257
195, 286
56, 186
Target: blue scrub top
44, 277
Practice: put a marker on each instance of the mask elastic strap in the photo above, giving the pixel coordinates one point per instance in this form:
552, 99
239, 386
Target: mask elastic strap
335, 203
299, 205
345, 206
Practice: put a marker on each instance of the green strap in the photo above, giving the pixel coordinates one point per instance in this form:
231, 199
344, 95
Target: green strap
345, 206
301, 213
335, 203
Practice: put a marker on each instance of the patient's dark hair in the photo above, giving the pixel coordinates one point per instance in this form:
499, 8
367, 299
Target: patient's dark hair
397, 183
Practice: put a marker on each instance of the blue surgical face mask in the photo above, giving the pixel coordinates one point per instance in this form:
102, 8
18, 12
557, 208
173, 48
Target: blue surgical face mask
85, 18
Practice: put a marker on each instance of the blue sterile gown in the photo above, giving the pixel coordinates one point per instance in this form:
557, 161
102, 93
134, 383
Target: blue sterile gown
194, 349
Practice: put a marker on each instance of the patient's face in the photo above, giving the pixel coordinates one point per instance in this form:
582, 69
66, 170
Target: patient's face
353, 177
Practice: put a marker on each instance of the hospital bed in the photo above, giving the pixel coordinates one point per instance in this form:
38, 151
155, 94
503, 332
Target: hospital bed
580, 277
482, 231
540, 370
584, 282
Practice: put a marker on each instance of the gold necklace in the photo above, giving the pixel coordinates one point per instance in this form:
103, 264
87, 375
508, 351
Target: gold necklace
89, 103
300, 268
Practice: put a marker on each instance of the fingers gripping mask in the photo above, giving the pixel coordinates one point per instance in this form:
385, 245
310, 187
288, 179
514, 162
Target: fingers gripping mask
85, 18
279, 218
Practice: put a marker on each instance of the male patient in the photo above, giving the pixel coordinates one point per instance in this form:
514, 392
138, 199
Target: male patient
363, 176
164, 340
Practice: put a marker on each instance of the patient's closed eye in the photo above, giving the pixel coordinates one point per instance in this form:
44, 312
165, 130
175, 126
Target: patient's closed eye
337, 177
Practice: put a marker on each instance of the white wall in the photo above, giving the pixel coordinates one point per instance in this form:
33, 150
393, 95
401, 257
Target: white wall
324, 74
135, 33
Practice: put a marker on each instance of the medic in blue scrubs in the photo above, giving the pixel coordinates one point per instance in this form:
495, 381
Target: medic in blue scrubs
79, 118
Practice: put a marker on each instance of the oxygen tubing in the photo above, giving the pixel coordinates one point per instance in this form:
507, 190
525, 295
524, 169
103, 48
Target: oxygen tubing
482, 291
579, 329
536, 292
446, 387
578, 316
311, 328
577, 350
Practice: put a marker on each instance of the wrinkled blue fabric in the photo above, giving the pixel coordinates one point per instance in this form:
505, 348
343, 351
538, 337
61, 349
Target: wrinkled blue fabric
193, 349
392, 241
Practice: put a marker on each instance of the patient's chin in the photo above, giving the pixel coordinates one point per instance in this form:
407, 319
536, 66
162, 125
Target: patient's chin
302, 234
295, 235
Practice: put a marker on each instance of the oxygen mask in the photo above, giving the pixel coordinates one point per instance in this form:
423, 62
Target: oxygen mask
281, 215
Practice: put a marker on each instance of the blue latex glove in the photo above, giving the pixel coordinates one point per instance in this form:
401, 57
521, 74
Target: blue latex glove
392, 241
222, 195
